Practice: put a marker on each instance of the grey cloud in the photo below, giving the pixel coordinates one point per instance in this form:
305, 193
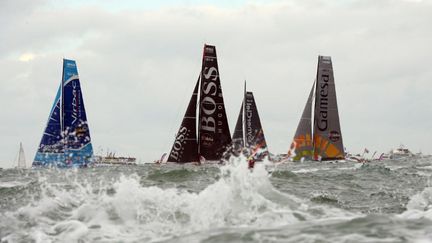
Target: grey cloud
138, 69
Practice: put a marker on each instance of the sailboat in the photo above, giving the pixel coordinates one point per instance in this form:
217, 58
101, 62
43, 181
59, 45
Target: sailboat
66, 140
213, 136
325, 143
21, 161
248, 134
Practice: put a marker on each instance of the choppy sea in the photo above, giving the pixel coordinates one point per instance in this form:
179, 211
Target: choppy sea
387, 201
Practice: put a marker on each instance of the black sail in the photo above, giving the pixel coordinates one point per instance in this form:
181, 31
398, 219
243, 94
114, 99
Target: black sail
214, 136
327, 138
237, 139
302, 147
254, 134
185, 147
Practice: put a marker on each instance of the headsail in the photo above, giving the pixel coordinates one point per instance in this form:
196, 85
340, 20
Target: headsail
327, 138
254, 134
66, 141
214, 136
51, 147
302, 145
185, 147
237, 139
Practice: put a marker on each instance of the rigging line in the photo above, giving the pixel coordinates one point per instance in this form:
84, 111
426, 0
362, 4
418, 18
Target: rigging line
166, 146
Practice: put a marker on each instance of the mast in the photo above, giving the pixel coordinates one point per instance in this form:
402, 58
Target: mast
327, 138
62, 131
244, 113
185, 147
213, 132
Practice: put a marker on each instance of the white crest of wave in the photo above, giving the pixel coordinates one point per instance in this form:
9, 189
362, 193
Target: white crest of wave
124, 209
420, 205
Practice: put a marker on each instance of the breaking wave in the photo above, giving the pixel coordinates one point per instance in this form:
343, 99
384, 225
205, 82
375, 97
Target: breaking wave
122, 209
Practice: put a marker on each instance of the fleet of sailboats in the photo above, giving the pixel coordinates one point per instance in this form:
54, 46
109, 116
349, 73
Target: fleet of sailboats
204, 133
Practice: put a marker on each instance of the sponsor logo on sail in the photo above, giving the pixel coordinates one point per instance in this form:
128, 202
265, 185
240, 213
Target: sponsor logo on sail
334, 136
326, 59
208, 105
209, 49
323, 101
249, 132
75, 100
177, 149
207, 139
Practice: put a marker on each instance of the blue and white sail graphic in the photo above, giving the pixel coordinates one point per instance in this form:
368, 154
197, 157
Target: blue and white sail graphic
66, 141
78, 147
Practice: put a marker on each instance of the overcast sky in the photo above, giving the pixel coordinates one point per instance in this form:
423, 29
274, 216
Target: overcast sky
138, 62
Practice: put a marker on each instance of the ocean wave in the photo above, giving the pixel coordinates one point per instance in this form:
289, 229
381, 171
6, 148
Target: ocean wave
123, 209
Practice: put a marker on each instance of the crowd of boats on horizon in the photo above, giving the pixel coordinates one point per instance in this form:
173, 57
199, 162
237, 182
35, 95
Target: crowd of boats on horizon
204, 135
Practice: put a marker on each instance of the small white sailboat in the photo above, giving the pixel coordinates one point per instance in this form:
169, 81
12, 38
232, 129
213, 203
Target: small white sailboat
21, 161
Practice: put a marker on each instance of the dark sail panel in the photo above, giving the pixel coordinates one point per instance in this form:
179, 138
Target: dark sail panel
254, 134
78, 147
302, 147
185, 147
237, 139
51, 147
214, 134
327, 139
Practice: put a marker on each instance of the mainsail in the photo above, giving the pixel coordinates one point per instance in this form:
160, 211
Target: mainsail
66, 140
302, 146
185, 147
213, 131
254, 134
327, 138
326, 141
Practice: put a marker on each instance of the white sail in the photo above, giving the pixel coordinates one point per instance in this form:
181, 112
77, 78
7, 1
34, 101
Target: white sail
21, 158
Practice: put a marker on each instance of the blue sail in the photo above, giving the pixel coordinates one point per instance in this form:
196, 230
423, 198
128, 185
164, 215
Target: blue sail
51, 150
78, 147
66, 140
